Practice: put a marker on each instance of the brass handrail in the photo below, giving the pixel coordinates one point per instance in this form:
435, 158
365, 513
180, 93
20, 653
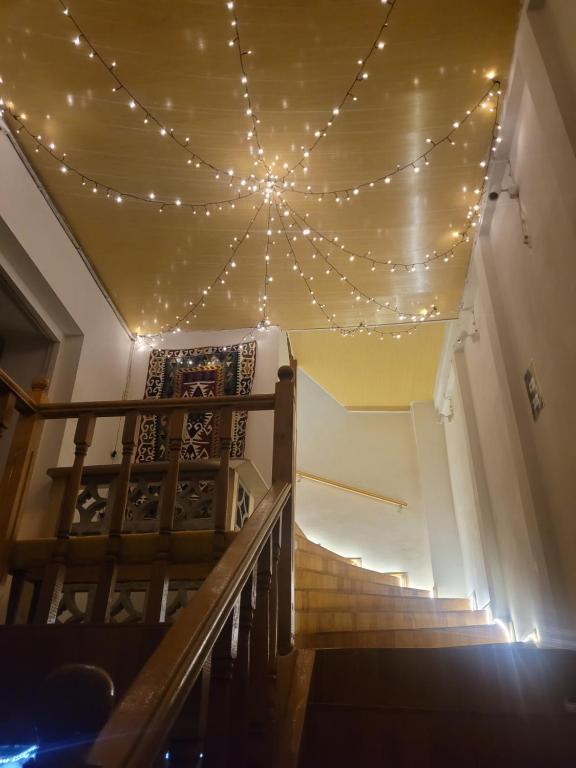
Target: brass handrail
144, 717
352, 489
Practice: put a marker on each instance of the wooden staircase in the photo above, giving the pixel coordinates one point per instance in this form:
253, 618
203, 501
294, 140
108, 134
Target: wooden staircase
377, 677
341, 605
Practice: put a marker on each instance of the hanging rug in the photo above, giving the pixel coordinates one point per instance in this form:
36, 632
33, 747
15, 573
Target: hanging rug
202, 372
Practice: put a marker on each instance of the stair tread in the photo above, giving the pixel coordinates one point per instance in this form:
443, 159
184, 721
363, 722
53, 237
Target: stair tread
397, 589
305, 545
333, 599
319, 622
330, 566
359, 586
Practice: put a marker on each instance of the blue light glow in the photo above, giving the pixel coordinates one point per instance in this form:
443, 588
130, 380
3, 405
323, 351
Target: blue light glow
15, 756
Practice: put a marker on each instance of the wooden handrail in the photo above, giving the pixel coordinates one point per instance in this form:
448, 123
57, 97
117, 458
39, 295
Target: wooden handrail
207, 466
352, 489
139, 725
122, 407
24, 403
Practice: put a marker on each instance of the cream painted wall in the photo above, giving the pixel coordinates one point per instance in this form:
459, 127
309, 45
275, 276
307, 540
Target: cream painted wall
443, 534
92, 350
376, 451
271, 353
522, 287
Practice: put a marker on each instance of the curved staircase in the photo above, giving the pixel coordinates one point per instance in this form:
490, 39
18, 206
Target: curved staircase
341, 605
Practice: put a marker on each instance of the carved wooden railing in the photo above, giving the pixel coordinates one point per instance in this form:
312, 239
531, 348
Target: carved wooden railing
209, 686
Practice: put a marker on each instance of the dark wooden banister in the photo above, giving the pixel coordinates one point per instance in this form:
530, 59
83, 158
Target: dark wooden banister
149, 709
122, 407
257, 567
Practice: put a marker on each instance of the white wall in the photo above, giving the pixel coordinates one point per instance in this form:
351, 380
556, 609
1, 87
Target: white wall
522, 286
371, 450
270, 355
42, 265
443, 533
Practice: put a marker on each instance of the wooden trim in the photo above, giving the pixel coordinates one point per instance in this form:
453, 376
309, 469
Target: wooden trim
352, 489
190, 405
140, 722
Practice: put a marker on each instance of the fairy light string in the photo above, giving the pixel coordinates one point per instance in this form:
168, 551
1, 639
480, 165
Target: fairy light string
462, 234
135, 103
357, 293
360, 76
274, 187
415, 163
220, 278
243, 52
320, 236
300, 271
119, 195
265, 306
333, 325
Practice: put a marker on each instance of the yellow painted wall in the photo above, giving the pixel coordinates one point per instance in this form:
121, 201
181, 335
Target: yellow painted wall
364, 372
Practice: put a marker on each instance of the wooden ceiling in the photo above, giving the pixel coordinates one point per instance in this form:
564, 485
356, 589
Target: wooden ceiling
175, 56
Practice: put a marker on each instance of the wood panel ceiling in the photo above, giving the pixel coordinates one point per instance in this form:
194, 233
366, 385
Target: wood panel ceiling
175, 56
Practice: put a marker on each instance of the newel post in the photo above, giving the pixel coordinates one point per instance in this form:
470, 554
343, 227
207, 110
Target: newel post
19, 465
283, 469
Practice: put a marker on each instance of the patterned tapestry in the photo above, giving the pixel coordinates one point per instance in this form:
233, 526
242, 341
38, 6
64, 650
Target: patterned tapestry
202, 372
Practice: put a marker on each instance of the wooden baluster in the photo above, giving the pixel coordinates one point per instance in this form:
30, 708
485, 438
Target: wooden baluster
273, 648
53, 579
259, 744
219, 746
222, 485
242, 671
187, 741
7, 409
159, 576
107, 581
223, 477
19, 465
283, 468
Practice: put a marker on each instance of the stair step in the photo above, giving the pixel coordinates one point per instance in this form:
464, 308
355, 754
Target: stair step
325, 600
358, 621
326, 564
438, 637
305, 545
313, 579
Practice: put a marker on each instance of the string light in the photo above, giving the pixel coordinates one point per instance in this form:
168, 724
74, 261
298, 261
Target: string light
332, 323
254, 120
300, 271
392, 266
267, 277
133, 101
422, 157
274, 186
462, 235
359, 294
219, 279
360, 76
111, 191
